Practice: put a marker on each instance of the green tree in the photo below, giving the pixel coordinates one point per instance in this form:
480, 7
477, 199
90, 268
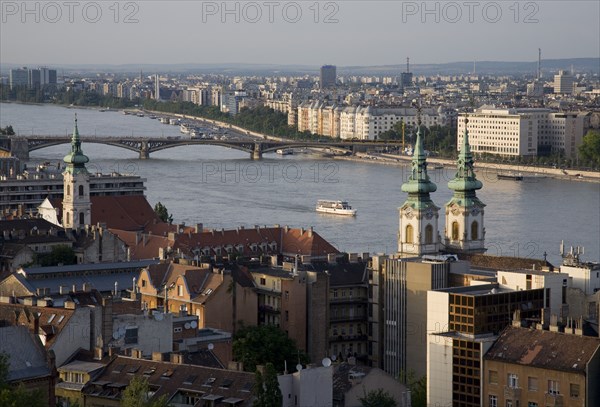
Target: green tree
7, 131
589, 150
61, 254
137, 394
377, 398
417, 387
262, 344
162, 212
266, 388
16, 396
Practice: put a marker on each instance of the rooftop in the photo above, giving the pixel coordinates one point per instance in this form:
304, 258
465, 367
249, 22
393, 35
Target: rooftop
544, 349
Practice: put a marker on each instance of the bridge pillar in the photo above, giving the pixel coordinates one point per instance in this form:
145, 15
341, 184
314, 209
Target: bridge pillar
257, 152
19, 147
144, 151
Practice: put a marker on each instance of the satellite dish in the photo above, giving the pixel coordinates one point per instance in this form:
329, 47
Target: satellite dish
211, 346
326, 362
186, 325
299, 367
333, 357
158, 317
194, 324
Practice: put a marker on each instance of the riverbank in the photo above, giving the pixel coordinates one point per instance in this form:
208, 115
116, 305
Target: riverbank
484, 170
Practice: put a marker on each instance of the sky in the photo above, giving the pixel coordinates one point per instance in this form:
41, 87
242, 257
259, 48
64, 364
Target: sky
342, 32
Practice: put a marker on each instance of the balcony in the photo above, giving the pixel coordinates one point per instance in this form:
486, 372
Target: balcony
512, 393
347, 318
348, 338
268, 309
554, 400
350, 300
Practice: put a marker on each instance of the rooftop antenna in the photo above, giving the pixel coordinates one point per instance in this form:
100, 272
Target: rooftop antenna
474, 70
562, 248
407, 65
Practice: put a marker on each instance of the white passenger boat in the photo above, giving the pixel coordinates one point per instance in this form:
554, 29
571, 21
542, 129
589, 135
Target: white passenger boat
335, 207
284, 151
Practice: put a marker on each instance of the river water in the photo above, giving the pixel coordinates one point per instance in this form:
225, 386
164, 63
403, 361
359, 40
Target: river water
224, 188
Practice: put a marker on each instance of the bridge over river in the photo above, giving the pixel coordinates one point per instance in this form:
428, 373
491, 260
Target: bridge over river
21, 146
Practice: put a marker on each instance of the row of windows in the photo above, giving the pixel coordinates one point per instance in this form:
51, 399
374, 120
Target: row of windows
512, 381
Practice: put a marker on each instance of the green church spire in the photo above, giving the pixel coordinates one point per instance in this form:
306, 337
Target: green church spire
418, 182
76, 160
465, 181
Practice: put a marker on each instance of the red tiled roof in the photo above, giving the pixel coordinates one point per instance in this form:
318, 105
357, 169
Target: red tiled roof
148, 245
290, 241
127, 212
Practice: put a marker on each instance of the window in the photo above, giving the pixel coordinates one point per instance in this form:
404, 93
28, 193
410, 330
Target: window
68, 219
493, 401
509, 403
409, 234
68, 190
532, 384
454, 230
180, 290
574, 390
532, 404
553, 387
131, 335
513, 380
143, 283
81, 218
263, 281
474, 230
428, 234
493, 377
80, 190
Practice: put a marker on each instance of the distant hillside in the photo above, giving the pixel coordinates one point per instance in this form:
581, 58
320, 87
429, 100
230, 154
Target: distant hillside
450, 68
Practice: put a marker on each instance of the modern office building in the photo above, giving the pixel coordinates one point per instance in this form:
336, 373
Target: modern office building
18, 77
563, 83
462, 324
524, 131
328, 76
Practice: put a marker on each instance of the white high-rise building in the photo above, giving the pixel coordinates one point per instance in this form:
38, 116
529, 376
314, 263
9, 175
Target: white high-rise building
563, 83
523, 132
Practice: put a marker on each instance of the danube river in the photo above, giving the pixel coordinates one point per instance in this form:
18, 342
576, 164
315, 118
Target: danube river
223, 188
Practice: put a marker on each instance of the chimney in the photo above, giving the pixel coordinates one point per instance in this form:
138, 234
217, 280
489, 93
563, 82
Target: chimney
36, 323
516, 321
98, 353
301, 231
177, 358
310, 232
87, 287
74, 288
554, 323
70, 305
144, 237
157, 356
137, 237
137, 353
113, 351
198, 228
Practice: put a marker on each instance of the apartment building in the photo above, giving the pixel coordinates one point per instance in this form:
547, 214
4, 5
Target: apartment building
524, 132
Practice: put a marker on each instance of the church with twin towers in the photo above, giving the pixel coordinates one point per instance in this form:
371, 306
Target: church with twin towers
418, 231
